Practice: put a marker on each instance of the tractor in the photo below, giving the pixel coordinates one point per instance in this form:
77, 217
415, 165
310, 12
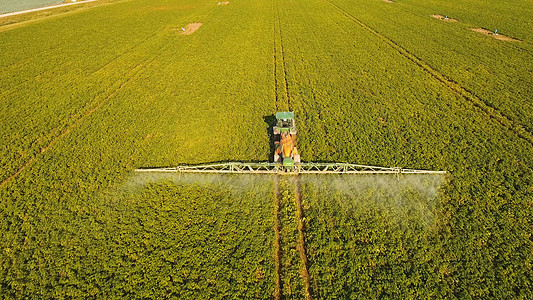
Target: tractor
286, 152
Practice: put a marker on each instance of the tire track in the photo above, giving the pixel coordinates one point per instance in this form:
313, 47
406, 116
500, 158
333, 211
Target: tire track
284, 102
460, 91
301, 240
276, 84
87, 111
279, 65
280, 105
277, 241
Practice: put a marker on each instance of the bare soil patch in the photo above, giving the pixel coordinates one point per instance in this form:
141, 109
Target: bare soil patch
497, 36
223, 3
444, 18
388, 1
191, 28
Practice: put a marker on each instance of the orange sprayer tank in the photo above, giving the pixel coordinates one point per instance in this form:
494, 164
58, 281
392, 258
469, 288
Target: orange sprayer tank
286, 144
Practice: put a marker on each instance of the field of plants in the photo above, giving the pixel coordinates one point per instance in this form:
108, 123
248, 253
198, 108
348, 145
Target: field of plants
88, 95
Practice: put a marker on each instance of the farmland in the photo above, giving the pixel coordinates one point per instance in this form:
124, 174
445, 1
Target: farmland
87, 96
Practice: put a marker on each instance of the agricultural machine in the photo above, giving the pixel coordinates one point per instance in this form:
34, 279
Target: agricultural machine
286, 159
285, 140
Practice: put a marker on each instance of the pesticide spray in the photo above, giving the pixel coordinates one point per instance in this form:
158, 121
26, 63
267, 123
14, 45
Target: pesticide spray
404, 198
331, 180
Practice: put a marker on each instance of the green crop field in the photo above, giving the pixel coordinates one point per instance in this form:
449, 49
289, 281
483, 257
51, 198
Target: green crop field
89, 93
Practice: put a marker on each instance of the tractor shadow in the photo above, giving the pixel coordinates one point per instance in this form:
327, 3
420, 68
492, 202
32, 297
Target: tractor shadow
270, 120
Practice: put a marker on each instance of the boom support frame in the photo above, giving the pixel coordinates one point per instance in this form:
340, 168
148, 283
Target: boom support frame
276, 168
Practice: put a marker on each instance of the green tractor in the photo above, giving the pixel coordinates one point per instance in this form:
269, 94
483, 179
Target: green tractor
285, 140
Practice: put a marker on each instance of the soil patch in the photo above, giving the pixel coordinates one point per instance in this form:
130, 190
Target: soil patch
444, 18
191, 28
497, 36
223, 3
388, 1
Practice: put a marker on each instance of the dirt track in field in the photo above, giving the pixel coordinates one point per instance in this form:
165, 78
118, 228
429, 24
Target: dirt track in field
497, 36
444, 18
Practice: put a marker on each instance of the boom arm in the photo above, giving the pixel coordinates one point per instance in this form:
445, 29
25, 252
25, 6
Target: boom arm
273, 168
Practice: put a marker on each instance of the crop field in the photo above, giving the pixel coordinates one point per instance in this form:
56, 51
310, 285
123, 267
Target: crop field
89, 93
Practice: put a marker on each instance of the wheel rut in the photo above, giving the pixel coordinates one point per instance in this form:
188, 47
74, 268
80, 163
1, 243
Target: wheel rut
277, 241
285, 242
281, 85
301, 239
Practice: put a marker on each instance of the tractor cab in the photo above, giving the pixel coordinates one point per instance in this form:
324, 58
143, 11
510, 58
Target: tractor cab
285, 123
